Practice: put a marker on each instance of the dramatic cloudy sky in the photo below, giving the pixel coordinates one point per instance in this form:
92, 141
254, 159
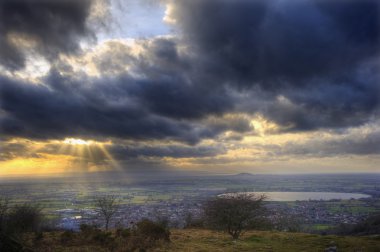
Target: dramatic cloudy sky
263, 86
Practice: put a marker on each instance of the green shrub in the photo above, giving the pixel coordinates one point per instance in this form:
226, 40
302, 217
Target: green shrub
16, 221
235, 213
24, 218
152, 230
103, 238
145, 235
123, 232
194, 222
93, 234
88, 231
86, 228
67, 237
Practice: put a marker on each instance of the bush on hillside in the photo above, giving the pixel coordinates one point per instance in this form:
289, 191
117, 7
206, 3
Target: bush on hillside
123, 232
67, 237
194, 222
15, 222
147, 234
369, 226
24, 218
235, 213
152, 230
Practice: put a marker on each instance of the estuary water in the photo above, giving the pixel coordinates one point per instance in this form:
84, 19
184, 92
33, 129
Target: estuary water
301, 196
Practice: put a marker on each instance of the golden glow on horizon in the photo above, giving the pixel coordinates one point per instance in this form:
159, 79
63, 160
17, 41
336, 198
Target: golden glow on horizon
59, 156
263, 150
44, 164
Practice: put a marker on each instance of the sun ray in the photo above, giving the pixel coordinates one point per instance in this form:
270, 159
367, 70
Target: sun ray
114, 163
87, 152
63, 148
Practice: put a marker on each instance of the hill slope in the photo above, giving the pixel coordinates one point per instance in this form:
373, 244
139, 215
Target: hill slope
205, 240
199, 240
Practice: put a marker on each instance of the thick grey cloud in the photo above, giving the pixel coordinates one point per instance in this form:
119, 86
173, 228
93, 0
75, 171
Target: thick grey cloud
303, 64
367, 143
176, 151
169, 98
326, 104
170, 87
319, 56
36, 111
11, 150
54, 26
97, 153
270, 42
105, 108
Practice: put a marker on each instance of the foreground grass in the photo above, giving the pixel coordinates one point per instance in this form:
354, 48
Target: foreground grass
205, 240
198, 240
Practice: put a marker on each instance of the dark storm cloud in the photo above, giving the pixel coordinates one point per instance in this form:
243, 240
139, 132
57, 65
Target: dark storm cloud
165, 84
170, 99
169, 87
55, 26
235, 123
36, 111
302, 64
327, 103
318, 55
121, 152
267, 42
113, 107
156, 101
363, 144
176, 151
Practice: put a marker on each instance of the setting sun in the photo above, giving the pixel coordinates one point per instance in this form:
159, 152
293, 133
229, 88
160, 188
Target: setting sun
74, 141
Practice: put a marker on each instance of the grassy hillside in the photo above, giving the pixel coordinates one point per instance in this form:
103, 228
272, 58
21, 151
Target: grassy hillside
205, 240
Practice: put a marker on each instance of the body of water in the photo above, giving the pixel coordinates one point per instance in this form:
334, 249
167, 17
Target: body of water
294, 196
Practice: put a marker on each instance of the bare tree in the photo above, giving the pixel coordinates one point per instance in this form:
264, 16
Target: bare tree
235, 213
107, 207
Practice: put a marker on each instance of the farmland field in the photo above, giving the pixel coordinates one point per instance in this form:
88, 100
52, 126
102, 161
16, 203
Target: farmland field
63, 198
